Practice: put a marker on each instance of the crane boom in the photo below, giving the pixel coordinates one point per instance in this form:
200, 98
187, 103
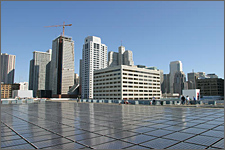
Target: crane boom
61, 26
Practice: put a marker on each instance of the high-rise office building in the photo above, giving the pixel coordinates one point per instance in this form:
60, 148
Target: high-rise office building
7, 68
179, 82
123, 57
76, 78
94, 57
40, 71
192, 77
62, 65
211, 86
175, 66
80, 77
166, 83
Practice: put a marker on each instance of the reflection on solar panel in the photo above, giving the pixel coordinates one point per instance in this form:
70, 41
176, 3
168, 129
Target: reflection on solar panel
63, 125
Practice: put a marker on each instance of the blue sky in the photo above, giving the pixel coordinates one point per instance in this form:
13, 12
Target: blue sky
156, 32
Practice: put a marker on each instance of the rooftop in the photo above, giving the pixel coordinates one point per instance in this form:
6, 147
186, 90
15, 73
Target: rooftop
71, 125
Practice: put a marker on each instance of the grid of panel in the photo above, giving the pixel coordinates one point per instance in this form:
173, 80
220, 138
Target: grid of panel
61, 125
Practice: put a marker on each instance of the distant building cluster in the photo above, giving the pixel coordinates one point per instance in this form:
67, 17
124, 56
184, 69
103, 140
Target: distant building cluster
102, 75
175, 82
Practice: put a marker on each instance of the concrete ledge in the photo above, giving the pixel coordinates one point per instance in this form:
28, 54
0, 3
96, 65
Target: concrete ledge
19, 101
163, 102
169, 102
13, 101
29, 100
211, 102
5, 101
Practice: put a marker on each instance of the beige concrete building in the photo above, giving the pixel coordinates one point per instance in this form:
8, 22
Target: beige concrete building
6, 90
126, 82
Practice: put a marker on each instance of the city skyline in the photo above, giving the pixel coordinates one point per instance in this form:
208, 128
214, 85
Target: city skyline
156, 32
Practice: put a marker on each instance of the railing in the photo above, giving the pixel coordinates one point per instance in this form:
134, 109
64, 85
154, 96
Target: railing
144, 102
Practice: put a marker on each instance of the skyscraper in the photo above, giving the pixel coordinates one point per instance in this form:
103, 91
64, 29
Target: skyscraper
123, 57
7, 68
175, 66
192, 77
166, 83
94, 57
40, 71
179, 82
62, 65
76, 78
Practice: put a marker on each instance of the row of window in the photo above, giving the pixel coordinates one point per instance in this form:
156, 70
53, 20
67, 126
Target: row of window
141, 79
140, 72
105, 76
102, 87
106, 83
141, 94
106, 94
126, 90
97, 80
147, 87
100, 90
145, 76
106, 72
145, 83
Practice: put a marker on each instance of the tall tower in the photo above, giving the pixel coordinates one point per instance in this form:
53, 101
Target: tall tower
40, 71
62, 65
94, 57
121, 51
192, 78
123, 57
128, 58
113, 59
175, 66
179, 82
7, 68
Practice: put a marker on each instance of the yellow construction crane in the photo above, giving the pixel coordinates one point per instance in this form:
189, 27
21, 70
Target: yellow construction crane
60, 26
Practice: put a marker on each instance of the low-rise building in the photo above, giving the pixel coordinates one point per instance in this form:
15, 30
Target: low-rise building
126, 82
22, 94
211, 86
6, 90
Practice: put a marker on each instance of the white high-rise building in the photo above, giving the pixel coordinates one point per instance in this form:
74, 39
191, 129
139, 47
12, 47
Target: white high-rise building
175, 66
7, 68
94, 57
123, 57
62, 65
40, 71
